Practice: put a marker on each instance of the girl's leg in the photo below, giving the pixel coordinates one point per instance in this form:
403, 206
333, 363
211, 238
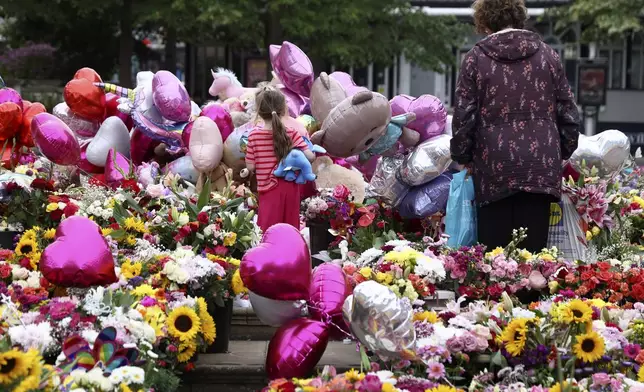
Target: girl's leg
291, 202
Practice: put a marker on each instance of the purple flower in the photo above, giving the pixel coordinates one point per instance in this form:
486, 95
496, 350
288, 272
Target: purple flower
414, 384
631, 350
135, 281
435, 370
148, 301
371, 383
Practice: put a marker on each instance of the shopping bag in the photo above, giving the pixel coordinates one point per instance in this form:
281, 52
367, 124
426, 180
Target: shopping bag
460, 219
566, 231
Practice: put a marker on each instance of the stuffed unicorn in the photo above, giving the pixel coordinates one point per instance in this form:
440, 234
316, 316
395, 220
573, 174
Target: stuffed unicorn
226, 85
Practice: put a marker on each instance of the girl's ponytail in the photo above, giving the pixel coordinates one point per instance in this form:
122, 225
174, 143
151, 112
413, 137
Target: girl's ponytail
282, 143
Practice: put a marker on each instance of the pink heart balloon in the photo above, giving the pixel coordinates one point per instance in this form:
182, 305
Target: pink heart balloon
54, 139
280, 266
171, 97
117, 168
221, 117
10, 95
296, 348
366, 168
293, 67
431, 115
80, 126
329, 288
294, 102
141, 147
79, 256
86, 165
347, 82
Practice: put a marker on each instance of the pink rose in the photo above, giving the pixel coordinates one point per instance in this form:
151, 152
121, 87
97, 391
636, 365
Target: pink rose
536, 280
341, 192
485, 268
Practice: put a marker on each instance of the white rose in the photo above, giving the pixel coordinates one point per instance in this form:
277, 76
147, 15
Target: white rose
155, 190
33, 281
183, 219
20, 273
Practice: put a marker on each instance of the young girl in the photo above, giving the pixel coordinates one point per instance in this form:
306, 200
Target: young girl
268, 144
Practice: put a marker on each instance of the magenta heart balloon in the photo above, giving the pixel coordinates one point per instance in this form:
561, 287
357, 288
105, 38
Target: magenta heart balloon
10, 95
80, 126
294, 102
347, 82
141, 147
54, 139
221, 117
367, 168
171, 97
117, 168
431, 115
79, 256
293, 67
280, 266
329, 288
86, 165
296, 348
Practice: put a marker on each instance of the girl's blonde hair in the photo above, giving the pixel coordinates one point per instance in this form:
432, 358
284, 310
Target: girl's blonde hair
271, 106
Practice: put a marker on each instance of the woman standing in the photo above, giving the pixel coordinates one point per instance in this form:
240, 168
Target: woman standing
515, 121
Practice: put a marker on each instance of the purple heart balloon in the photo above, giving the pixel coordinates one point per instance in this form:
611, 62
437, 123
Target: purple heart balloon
54, 139
221, 117
79, 255
367, 168
292, 67
117, 168
10, 95
431, 115
80, 126
171, 97
294, 102
347, 83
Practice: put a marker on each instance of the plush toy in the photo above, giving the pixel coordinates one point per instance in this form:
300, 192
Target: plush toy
329, 175
295, 167
226, 85
219, 178
396, 132
354, 125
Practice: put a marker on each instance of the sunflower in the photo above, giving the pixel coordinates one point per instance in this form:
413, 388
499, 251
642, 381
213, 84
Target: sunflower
106, 231
237, 284
353, 375
14, 364
184, 324
155, 318
186, 351
34, 259
589, 347
30, 234
577, 311
32, 381
26, 247
443, 388
208, 328
49, 234
514, 336
144, 290
557, 387
134, 224
129, 270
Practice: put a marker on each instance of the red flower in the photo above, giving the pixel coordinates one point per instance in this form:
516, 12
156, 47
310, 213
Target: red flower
5, 271
203, 218
39, 183
638, 292
495, 291
185, 230
603, 266
585, 276
366, 219
221, 250
70, 209
12, 186
56, 215
605, 276
115, 226
341, 192
25, 263
381, 224
130, 185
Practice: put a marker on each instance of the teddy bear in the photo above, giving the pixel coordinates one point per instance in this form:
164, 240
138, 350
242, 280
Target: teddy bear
329, 175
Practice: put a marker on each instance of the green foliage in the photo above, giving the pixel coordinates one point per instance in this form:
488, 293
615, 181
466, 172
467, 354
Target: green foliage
602, 20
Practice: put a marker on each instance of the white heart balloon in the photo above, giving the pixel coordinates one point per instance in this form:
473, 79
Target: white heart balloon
607, 151
206, 144
112, 134
184, 168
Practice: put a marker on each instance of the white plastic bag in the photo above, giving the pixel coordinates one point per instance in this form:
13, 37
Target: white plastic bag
566, 231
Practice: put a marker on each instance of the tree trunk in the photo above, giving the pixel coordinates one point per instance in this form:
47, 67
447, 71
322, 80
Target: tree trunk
273, 36
171, 50
126, 45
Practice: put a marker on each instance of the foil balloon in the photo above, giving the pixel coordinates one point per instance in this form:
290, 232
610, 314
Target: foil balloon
280, 266
274, 312
386, 182
235, 146
310, 124
27, 117
427, 161
117, 169
111, 110
296, 348
141, 147
184, 168
10, 95
83, 97
221, 117
427, 199
430, 112
293, 67
79, 255
54, 139
147, 173
10, 120
367, 168
294, 103
170, 97
113, 134
607, 151
85, 165
297, 126
329, 288
81, 127
380, 320
206, 146
448, 125
346, 81
326, 94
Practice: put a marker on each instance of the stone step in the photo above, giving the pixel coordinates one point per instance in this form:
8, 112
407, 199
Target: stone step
246, 326
242, 369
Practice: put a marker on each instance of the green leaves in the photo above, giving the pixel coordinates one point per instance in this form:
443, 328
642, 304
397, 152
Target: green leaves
204, 196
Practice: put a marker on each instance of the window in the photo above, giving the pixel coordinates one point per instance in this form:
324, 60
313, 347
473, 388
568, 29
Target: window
636, 69
614, 56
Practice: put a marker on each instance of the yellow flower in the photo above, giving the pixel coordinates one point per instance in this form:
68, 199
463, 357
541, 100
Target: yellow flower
208, 328
405, 257
186, 351
34, 260
230, 239
354, 375
596, 230
130, 240
106, 231
514, 336
32, 381
26, 247
525, 255
443, 388
640, 374
496, 252
597, 302
366, 272
234, 262
134, 224
639, 201
144, 290
589, 236
129, 270
15, 364
577, 311
553, 285
237, 284
547, 257
557, 387
124, 387
184, 324
589, 347
386, 387
30, 234
49, 234
51, 207
430, 317
155, 318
